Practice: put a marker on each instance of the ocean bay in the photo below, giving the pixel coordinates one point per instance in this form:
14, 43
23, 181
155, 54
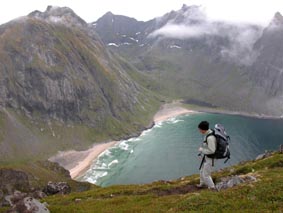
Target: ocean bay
169, 150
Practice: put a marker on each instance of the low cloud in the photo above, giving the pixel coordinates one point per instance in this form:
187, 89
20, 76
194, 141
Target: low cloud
183, 31
241, 37
241, 44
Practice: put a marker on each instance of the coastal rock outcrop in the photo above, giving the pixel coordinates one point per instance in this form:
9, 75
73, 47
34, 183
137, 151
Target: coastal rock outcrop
57, 188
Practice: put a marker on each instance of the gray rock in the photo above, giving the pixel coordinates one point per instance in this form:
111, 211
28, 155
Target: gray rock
229, 182
31, 205
264, 155
234, 181
249, 178
21, 202
57, 188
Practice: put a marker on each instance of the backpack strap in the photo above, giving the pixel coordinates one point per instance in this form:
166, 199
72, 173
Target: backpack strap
212, 133
211, 155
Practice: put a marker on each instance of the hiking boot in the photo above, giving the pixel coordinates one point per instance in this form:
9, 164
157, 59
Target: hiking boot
201, 186
213, 189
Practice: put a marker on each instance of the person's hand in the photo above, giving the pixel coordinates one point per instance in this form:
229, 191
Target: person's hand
200, 156
200, 149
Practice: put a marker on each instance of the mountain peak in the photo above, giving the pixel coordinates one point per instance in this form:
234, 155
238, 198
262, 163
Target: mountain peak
61, 15
184, 7
109, 13
278, 17
277, 20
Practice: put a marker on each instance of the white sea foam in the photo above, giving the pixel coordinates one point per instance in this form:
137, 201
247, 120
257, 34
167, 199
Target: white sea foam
174, 120
123, 145
98, 167
146, 132
134, 139
113, 162
95, 176
177, 121
158, 125
102, 154
107, 152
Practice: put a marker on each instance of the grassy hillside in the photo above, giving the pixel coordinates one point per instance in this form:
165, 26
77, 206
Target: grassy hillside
263, 195
23, 139
60, 89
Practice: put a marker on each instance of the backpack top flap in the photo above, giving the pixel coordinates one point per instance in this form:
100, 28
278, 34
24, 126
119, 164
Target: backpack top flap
219, 130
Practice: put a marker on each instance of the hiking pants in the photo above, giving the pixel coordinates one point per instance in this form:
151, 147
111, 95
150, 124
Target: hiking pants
205, 173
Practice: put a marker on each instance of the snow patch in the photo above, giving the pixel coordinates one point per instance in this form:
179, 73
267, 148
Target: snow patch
113, 44
175, 46
134, 40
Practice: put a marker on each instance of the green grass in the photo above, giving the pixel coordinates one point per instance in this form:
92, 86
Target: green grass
41, 172
264, 195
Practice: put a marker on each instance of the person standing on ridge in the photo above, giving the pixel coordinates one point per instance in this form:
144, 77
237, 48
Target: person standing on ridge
208, 147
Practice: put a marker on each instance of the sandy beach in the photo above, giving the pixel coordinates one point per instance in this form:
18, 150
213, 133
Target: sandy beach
78, 162
171, 110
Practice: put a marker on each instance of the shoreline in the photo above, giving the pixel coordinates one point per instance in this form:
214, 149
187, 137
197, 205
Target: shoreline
78, 162
238, 113
171, 110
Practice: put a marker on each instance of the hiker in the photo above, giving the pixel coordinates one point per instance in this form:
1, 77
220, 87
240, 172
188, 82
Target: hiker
208, 147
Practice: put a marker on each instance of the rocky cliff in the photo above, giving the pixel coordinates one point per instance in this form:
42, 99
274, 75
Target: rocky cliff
268, 68
55, 68
191, 57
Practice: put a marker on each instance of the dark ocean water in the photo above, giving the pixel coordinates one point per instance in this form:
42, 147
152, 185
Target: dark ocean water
169, 150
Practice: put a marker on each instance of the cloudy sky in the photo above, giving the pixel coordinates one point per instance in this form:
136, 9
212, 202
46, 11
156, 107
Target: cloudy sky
90, 10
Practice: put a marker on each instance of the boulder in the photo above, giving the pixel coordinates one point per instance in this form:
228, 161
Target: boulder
57, 188
29, 205
22, 202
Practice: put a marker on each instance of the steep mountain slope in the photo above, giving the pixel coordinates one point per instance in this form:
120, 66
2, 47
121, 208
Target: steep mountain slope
268, 68
190, 57
57, 72
119, 29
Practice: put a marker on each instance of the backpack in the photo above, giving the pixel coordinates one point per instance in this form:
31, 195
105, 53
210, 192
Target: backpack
222, 143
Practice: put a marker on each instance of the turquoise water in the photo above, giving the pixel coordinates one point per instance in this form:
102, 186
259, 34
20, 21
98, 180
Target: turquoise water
169, 150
